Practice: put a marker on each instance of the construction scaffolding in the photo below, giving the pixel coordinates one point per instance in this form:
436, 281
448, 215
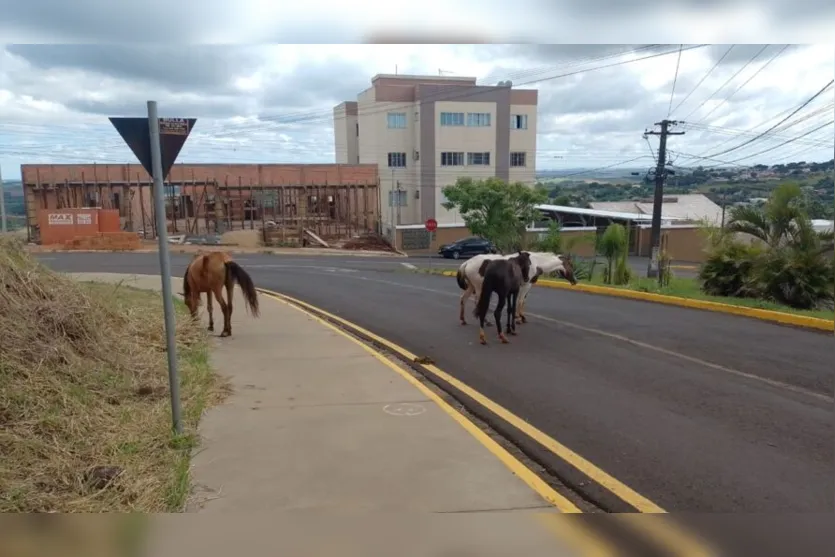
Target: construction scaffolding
284, 214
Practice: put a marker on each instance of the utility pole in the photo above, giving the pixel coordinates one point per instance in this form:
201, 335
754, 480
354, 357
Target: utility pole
391, 210
3, 227
398, 202
658, 198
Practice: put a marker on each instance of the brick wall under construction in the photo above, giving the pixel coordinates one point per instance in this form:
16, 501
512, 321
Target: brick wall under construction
332, 200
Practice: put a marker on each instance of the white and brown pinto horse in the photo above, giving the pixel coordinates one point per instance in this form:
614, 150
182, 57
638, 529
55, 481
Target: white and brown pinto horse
542, 263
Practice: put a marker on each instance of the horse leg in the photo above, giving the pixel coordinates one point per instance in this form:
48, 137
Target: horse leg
463, 302
497, 315
224, 307
211, 312
511, 313
477, 295
481, 336
520, 311
230, 294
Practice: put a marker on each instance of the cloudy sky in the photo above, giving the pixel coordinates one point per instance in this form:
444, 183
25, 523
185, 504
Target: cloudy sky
274, 103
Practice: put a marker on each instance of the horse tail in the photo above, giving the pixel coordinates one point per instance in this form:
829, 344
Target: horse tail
237, 274
186, 285
461, 278
483, 303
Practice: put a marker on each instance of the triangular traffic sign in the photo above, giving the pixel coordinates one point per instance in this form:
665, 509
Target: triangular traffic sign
173, 133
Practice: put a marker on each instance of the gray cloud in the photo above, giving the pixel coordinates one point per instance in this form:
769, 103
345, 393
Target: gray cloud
781, 8
206, 68
316, 85
104, 20
607, 89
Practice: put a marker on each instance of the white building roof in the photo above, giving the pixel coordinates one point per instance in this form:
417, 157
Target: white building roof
823, 225
693, 207
621, 215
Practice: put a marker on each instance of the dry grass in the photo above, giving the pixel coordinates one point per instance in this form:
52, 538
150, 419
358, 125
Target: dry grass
84, 410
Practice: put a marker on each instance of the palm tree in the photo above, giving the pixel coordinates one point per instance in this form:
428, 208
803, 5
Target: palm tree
797, 266
774, 223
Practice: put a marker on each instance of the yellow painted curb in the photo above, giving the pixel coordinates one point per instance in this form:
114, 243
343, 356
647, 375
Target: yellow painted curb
756, 313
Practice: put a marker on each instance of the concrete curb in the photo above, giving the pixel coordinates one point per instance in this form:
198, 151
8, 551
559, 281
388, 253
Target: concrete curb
264, 251
755, 313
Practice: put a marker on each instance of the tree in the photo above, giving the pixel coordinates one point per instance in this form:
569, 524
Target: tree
494, 209
776, 221
795, 265
613, 246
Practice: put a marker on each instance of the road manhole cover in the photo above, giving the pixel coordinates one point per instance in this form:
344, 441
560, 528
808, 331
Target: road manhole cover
404, 409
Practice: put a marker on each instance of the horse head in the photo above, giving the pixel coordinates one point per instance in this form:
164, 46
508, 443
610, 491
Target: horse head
524, 262
567, 270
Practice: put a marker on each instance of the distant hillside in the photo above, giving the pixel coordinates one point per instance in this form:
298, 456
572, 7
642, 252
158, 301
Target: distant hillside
15, 187
591, 174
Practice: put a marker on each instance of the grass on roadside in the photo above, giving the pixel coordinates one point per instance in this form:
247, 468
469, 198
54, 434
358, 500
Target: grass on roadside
690, 288
84, 404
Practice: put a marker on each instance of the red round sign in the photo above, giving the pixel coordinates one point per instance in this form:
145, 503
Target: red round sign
431, 225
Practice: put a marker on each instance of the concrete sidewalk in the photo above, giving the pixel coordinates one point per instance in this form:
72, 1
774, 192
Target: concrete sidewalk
317, 423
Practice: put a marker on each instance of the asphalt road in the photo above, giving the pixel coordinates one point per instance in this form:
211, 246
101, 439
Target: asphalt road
697, 411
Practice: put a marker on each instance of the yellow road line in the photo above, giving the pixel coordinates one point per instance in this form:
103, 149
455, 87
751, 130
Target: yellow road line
621, 490
523, 472
783, 318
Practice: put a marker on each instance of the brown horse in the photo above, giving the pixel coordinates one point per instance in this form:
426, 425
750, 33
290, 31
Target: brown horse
209, 273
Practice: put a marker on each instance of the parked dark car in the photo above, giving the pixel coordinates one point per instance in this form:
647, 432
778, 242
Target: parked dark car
467, 247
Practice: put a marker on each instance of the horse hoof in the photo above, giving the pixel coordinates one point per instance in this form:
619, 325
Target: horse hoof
463, 322
211, 328
513, 333
504, 339
483, 342
225, 334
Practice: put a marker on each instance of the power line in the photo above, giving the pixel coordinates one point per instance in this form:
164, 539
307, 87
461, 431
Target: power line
795, 111
675, 78
710, 71
728, 81
468, 92
761, 124
735, 91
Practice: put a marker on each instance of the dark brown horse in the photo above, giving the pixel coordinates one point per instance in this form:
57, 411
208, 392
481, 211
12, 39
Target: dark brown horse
504, 277
209, 273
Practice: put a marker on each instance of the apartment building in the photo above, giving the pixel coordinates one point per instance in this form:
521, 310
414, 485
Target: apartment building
424, 132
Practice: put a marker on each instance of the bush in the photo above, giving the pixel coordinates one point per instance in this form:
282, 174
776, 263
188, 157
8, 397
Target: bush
727, 271
798, 278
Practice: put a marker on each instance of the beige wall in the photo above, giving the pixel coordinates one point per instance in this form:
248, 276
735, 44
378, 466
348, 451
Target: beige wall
525, 141
377, 141
346, 143
466, 139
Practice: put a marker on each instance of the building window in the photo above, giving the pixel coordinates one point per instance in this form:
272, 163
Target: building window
518, 159
396, 120
397, 160
478, 159
519, 121
452, 118
478, 119
398, 198
452, 159
358, 129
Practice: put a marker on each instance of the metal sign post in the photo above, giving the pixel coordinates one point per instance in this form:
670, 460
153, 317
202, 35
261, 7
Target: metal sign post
164, 265
156, 143
431, 225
